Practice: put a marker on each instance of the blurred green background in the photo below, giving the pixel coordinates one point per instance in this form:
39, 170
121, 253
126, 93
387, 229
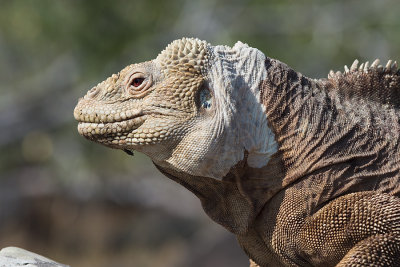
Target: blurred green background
87, 205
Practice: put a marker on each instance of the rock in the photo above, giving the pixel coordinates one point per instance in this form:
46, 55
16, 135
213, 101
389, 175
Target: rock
13, 257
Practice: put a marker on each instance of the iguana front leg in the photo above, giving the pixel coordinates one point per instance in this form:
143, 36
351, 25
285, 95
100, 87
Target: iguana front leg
359, 229
378, 250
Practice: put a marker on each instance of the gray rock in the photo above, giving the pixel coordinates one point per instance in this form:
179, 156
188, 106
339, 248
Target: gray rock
13, 257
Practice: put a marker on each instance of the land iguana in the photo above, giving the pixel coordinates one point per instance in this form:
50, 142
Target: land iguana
305, 172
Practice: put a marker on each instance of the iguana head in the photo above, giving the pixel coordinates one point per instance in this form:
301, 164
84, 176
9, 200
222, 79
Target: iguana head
195, 108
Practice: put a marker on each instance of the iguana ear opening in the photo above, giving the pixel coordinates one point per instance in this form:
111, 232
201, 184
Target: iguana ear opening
205, 98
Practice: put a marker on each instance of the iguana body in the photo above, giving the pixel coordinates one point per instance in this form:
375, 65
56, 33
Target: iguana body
305, 172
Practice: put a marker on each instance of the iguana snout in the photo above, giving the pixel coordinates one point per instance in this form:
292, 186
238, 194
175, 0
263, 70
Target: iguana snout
112, 112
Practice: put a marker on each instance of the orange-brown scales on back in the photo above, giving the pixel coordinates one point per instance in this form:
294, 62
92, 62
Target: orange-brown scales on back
304, 171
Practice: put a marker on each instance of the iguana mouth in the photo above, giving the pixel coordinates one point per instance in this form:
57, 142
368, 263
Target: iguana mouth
94, 130
96, 124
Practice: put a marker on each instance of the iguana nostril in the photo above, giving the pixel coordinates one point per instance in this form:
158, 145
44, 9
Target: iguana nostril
93, 92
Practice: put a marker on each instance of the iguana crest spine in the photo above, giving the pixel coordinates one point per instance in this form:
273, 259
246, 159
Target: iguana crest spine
373, 83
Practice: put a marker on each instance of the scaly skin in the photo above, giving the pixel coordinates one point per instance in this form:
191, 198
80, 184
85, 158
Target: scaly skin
305, 172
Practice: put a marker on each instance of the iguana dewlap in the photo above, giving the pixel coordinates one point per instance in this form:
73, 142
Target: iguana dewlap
304, 171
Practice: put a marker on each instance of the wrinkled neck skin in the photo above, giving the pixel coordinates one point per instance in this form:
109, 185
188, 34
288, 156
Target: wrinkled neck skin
236, 75
293, 103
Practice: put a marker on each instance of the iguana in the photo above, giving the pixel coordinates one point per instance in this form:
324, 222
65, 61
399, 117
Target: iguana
305, 172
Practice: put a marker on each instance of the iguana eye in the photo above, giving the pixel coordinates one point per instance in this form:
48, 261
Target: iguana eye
138, 83
205, 98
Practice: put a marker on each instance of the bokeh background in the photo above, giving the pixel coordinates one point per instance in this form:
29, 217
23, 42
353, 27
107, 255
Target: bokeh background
87, 205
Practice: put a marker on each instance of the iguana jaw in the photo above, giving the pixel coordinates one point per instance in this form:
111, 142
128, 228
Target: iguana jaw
112, 133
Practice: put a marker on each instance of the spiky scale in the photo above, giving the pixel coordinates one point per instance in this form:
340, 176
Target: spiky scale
366, 66
354, 66
389, 64
375, 63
